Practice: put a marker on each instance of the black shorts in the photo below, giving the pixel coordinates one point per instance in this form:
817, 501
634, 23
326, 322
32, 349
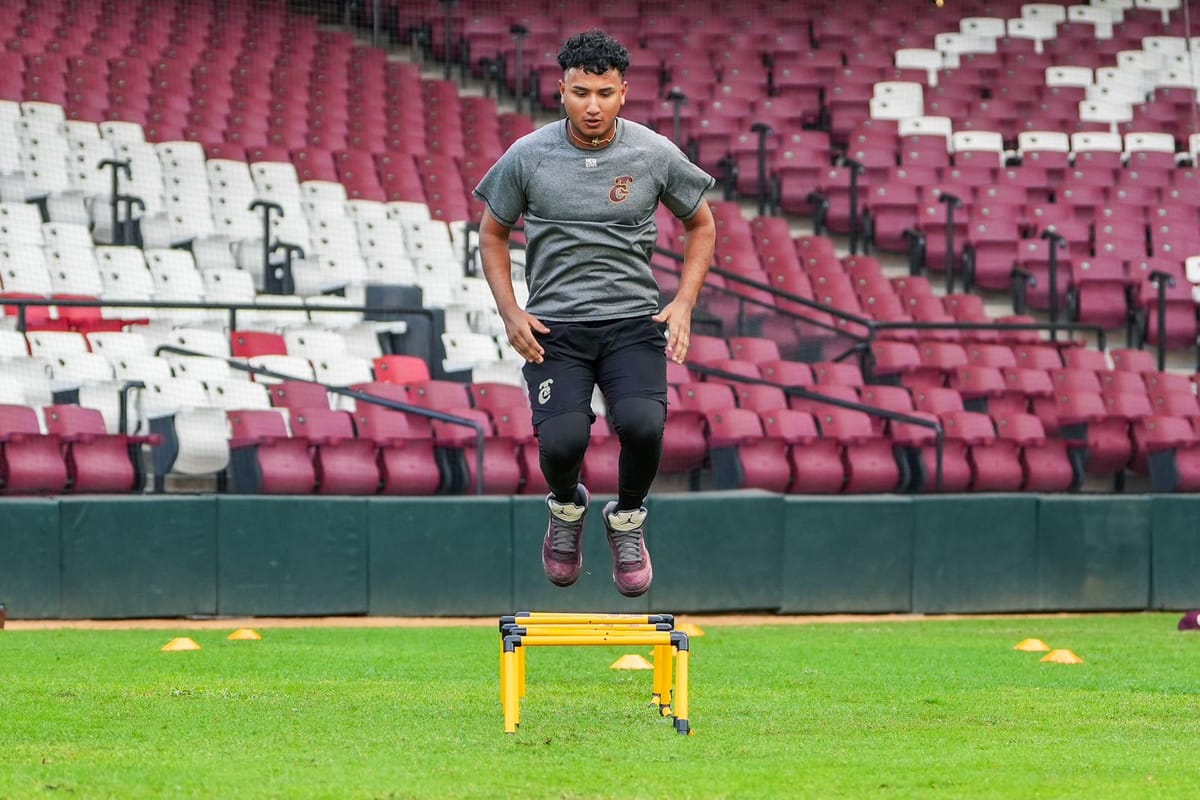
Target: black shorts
624, 357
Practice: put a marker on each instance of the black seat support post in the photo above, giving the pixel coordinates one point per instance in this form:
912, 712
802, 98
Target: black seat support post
1162, 281
283, 280
114, 198
856, 170
952, 203
677, 98
128, 232
519, 31
448, 35
1056, 241
270, 282
763, 130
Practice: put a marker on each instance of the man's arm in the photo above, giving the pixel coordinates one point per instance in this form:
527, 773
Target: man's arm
700, 236
497, 270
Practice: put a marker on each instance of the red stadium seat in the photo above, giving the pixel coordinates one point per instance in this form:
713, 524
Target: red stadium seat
742, 455
816, 461
298, 394
406, 460
264, 458
871, 464
458, 445
30, 461
1045, 462
344, 464
96, 460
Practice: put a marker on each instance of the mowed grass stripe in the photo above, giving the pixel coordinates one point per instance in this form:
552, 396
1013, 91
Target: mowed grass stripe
935, 708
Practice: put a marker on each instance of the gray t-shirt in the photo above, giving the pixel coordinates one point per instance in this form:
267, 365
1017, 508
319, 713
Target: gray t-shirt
589, 217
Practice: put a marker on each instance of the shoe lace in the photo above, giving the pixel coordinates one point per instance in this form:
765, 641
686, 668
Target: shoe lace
629, 546
563, 535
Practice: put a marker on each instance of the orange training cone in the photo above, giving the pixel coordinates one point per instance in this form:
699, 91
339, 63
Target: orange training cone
1061, 657
180, 644
244, 634
1032, 646
631, 662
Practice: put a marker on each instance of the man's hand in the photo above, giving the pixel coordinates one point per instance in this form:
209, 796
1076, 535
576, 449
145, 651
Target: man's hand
678, 316
520, 327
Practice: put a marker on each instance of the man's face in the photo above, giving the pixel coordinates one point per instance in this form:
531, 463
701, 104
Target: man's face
592, 102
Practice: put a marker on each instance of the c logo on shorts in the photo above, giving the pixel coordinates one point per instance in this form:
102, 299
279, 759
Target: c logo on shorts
544, 391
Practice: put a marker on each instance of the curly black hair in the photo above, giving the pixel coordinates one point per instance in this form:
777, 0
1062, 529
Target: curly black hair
595, 52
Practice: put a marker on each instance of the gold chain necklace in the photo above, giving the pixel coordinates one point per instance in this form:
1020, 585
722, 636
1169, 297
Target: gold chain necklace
595, 141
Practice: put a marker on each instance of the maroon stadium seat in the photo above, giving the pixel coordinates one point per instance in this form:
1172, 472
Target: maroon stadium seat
96, 460
344, 464
264, 458
30, 461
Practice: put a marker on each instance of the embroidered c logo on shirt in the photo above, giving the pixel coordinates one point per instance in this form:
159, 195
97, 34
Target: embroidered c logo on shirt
620, 190
544, 391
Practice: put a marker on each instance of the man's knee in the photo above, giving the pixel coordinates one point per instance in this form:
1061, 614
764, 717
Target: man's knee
638, 419
563, 438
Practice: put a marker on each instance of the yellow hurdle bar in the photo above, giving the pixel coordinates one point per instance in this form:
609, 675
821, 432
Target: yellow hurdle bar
568, 618
539, 622
661, 692
666, 643
603, 638
574, 630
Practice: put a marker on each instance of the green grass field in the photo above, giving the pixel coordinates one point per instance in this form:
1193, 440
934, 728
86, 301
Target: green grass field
933, 708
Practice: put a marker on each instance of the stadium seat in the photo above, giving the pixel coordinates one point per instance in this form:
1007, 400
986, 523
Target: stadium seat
406, 460
871, 464
30, 461
343, 463
458, 446
1166, 449
742, 456
298, 394
1046, 465
96, 460
265, 458
817, 466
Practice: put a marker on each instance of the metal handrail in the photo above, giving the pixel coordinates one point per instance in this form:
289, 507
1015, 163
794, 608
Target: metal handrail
1086, 327
356, 394
22, 303
877, 411
873, 326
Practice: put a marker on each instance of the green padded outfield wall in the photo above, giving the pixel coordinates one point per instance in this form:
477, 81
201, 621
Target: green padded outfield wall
974, 554
716, 551
847, 557
1175, 553
126, 557
440, 556
30, 558
289, 556
232, 555
1094, 552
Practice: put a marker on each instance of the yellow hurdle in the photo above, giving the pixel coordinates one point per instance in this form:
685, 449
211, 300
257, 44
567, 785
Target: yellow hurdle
556, 629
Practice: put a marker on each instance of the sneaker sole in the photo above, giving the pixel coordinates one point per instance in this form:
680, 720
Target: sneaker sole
633, 592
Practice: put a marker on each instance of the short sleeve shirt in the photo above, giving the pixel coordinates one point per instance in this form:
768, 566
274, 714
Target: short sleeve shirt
589, 216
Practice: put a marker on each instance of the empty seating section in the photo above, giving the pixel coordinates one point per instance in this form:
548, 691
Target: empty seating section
270, 173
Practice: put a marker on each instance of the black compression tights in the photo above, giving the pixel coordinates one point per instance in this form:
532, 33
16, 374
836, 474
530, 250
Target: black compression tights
638, 423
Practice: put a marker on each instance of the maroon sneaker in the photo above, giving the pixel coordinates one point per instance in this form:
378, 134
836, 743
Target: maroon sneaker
562, 556
631, 560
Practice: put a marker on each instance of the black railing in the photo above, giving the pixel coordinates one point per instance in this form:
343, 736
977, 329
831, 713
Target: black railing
876, 411
847, 317
873, 327
22, 303
357, 395
1053, 327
